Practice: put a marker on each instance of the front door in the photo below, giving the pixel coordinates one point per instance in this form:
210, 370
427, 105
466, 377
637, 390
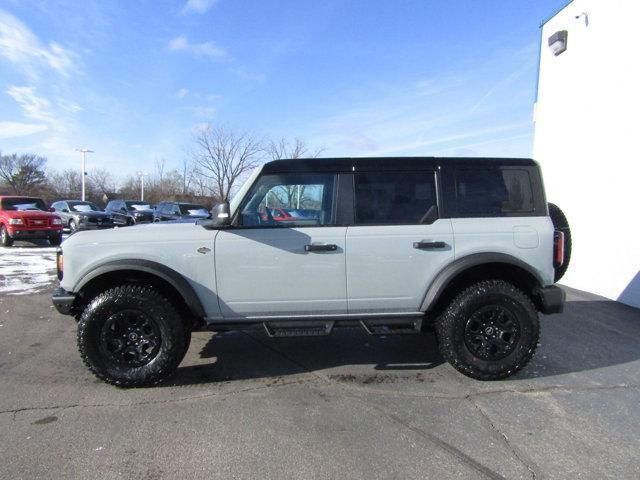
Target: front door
397, 243
284, 257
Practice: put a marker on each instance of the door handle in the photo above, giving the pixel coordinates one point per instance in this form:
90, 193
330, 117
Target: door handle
321, 247
423, 245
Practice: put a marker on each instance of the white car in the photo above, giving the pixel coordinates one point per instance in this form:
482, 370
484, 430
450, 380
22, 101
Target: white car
393, 244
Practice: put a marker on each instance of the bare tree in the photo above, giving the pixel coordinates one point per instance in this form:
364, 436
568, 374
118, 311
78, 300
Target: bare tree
102, 181
283, 148
24, 174
65, 184
224, 157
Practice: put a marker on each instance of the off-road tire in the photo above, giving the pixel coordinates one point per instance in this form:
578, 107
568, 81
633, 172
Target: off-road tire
55, 240
5, 238
450, 329
173, 342
561, 223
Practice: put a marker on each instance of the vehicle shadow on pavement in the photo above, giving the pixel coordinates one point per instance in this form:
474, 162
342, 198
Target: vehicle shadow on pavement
593, 333
252, 354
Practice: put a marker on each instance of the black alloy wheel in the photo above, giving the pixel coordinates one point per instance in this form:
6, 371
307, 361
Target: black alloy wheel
492, 332
130, 338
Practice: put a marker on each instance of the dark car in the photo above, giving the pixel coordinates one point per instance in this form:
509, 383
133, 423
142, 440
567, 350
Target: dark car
78, 215
129, 212
168, 211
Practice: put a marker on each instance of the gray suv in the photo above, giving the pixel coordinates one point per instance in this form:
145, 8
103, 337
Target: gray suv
464, 246
80, 215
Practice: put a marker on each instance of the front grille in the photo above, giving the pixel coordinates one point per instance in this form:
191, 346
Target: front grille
99, 220
37, 222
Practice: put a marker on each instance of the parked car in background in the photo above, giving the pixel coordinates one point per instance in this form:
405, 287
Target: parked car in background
79, 215
129, 212
27, 218
166, 211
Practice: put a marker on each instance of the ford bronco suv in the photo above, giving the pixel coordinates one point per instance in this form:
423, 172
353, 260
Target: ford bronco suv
27, 218
394, 245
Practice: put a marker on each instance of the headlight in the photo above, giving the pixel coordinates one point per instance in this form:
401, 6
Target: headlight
59, 263
56, 221
16, 221
81, 218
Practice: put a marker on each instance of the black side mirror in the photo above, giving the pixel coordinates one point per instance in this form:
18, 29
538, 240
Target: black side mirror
220, 216
65, 210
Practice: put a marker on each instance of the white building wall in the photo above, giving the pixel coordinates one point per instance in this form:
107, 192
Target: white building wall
587, 140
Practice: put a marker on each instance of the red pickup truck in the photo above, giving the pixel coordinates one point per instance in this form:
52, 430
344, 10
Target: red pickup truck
27, 218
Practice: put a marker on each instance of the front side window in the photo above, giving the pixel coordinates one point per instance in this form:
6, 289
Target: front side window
395, 198
296, 200
492, 192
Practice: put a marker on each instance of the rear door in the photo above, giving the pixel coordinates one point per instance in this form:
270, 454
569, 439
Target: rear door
397, 243
293, 267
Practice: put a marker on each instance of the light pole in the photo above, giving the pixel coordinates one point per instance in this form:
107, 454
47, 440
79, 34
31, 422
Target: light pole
142, 175
84, 151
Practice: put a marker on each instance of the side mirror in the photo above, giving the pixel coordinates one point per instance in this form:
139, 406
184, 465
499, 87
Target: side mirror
51, 209
220, 216
65, 210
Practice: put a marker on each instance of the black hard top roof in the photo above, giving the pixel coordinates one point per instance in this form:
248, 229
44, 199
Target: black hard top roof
385, 163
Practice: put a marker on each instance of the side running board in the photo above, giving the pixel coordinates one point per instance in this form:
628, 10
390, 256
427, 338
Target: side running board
308, 328
392, 326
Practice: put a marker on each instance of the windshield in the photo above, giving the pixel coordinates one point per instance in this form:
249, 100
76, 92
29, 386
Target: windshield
138, 206
84, 207
24, 203
193, 209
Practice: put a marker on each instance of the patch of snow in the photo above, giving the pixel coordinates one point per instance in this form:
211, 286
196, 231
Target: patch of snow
26, 270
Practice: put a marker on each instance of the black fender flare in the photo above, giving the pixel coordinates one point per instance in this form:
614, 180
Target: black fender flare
444, 277
175, 279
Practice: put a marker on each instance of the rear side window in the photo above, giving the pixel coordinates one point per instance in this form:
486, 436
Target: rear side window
395, 198
490, 192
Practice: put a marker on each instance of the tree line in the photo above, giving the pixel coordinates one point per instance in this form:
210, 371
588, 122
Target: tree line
219, 160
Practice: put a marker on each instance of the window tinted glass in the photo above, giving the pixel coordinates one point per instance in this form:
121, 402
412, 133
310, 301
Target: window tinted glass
191, 209
492, 192
83, 207
23, 203
290, 201
395, 198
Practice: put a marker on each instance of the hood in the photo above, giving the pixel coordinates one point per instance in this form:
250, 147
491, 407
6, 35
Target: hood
147, 233
91, 214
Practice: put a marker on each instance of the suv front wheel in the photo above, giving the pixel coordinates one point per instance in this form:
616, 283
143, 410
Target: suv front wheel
132, 336
489, 331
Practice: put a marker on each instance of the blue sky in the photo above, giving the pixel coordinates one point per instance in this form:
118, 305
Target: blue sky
132, 80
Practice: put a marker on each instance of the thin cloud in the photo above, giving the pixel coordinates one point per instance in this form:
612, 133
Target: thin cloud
203, 111
206, 49
197, 6
18, 129
20, 46
183, 92
32, 105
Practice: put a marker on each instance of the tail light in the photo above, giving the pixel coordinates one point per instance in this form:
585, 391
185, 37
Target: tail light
59, 263
558, 248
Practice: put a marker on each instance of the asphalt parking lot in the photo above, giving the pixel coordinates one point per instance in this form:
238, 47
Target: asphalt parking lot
345, 406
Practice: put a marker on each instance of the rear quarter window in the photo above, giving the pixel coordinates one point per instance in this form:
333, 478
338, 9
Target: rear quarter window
489, 192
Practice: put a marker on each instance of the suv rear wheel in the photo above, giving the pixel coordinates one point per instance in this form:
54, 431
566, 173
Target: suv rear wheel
132, 336
489, 331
